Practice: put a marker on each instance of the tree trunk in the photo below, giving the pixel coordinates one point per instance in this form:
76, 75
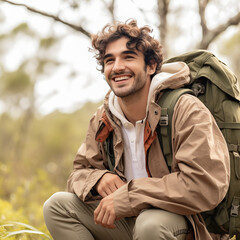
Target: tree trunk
163, 26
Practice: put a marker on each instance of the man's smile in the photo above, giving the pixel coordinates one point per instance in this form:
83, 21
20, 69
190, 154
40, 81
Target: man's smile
121, 78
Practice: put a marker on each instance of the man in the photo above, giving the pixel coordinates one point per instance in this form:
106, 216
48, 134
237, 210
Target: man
140, 199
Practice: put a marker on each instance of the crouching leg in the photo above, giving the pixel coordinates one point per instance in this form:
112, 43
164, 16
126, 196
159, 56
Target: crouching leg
161, 225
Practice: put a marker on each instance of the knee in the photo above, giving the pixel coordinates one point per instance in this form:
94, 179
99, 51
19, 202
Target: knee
146, 227
159, 224
54, 202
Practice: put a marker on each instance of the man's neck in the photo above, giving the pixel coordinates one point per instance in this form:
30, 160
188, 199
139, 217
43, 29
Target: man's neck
133, 107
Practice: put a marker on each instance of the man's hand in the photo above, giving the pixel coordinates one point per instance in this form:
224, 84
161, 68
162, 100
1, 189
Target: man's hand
104, 214
108, 184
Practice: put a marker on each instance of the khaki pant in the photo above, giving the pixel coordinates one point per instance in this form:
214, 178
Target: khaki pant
68, 218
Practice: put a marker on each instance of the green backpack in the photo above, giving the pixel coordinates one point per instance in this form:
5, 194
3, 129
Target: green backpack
218, 88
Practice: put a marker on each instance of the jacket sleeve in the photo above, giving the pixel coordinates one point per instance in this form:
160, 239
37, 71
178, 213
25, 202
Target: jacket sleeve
88, 166
200, 171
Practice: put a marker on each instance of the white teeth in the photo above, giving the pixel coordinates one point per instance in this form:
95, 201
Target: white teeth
120, 78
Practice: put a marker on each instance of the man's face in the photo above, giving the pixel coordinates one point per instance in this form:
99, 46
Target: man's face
125, 69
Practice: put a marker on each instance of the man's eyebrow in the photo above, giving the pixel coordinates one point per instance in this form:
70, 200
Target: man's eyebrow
107, 56
124, 52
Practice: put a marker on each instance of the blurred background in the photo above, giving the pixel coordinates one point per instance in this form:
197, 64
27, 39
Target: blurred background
50, 85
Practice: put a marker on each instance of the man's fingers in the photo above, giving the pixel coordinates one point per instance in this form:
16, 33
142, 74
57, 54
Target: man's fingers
111, 220
105, 219
119, 183
96, 212
108, 184
113, 187
104, 214
110, 189
104, 192
99, 214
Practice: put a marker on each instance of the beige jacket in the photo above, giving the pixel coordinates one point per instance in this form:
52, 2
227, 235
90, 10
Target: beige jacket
200, 170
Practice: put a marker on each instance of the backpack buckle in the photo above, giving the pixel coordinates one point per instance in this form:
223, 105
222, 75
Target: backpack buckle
163, 120
234, 210
164, 117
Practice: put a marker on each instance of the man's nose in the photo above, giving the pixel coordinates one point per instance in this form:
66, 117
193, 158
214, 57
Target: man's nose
118, 66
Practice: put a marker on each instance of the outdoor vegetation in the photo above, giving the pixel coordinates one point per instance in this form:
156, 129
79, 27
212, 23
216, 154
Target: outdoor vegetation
37, 149
35, 167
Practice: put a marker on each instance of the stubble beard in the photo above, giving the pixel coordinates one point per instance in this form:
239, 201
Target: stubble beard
133, 90
137, 86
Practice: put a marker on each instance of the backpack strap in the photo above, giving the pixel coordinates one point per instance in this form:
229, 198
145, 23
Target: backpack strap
164, 129
108, 148
228, 125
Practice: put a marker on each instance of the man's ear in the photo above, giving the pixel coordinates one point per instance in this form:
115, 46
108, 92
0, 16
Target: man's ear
152, 67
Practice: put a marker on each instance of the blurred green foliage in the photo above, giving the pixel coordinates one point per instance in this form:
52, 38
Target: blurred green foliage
36, 152
15, 82
20, 227
43, 166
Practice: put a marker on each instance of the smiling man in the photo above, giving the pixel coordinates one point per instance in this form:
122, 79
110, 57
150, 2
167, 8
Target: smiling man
129, 78
139, 198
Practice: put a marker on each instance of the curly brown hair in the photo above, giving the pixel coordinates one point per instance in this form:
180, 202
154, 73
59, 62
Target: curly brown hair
139, 39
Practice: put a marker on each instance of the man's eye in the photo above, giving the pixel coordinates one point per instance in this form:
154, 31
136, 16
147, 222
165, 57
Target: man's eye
109, 60
129, 57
